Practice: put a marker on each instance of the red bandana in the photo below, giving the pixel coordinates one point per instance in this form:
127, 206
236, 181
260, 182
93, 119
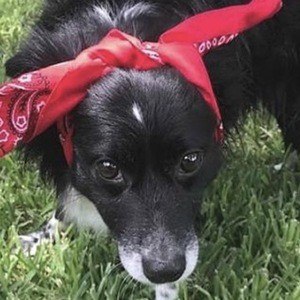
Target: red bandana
34, 101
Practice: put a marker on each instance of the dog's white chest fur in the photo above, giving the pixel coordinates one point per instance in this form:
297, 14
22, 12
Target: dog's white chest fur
82, 212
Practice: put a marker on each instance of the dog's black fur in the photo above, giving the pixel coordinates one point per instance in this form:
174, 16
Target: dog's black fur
153, 196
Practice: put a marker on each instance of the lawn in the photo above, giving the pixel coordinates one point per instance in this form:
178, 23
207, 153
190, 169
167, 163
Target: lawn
249, 223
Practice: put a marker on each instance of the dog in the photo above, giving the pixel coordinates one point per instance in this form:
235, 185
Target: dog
144, 147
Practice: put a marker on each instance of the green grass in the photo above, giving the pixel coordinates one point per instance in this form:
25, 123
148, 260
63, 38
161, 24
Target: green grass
250, 233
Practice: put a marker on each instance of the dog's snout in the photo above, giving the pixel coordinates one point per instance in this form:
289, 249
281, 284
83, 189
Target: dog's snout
164, 270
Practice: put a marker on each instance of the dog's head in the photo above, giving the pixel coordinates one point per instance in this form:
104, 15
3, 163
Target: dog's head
144, 151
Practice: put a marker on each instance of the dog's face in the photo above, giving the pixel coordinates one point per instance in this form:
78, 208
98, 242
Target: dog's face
144, 151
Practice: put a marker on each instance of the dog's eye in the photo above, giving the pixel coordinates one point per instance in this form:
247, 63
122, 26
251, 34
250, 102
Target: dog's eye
109, 171
191, 162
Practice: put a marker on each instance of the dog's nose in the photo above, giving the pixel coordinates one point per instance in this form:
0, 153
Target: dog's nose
164, 270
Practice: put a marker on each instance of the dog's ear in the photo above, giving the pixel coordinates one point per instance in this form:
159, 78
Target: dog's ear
56, 38
230, 71
39, 50
14, 66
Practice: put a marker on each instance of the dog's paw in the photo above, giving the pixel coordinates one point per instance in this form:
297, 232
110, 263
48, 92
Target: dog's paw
31, 242
168, 291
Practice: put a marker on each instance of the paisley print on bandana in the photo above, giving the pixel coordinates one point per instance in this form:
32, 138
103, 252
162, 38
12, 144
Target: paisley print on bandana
22, 108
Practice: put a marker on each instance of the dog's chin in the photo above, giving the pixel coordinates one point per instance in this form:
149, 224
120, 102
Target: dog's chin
132, 261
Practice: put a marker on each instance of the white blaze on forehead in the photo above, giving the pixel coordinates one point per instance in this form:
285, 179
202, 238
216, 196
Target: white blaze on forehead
137, 112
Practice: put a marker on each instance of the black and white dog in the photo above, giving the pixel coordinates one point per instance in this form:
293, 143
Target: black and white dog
144, 147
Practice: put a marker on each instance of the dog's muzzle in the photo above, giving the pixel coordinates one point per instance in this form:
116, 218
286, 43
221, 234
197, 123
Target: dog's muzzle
160, 261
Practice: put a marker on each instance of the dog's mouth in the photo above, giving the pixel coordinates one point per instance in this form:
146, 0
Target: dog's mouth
159, 264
